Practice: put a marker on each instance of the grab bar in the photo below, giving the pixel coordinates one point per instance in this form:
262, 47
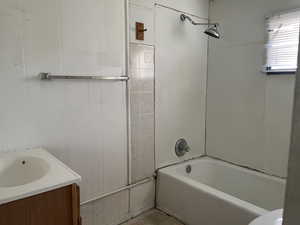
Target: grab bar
49, 76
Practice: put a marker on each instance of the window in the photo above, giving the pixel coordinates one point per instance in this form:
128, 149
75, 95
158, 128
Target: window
282, 42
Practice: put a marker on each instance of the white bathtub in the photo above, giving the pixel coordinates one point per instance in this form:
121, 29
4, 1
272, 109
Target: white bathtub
217, 193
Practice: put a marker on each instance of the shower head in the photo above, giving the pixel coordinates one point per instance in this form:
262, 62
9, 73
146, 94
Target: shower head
211, 31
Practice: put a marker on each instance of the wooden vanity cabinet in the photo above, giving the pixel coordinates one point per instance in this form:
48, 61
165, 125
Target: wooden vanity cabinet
56, 207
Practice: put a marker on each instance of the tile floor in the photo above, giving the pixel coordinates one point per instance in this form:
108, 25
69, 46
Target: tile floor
153, 217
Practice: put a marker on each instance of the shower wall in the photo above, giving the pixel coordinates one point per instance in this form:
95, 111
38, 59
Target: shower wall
180, 81
292, 201
248, 112
180, 76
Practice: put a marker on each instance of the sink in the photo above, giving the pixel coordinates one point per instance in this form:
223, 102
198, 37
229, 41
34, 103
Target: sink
31, 172
23, 170
271, 218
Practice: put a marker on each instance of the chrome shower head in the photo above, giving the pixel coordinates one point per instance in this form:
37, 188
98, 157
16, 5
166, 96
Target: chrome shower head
213, 31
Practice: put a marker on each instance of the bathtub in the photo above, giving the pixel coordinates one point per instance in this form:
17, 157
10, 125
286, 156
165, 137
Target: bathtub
217, 193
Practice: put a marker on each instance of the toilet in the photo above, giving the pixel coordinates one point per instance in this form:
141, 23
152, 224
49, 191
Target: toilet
272, 218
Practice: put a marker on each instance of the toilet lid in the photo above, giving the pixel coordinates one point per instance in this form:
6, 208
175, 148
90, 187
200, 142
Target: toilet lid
272, 218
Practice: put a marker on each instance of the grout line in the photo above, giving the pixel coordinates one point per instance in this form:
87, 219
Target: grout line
152, 211
128, 104
127, 58
206, 93
222, 160
138, 215
181, 162
169, 215
247, 167
128, 187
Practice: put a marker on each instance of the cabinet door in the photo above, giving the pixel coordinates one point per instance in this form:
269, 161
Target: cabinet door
59, 207
76, 205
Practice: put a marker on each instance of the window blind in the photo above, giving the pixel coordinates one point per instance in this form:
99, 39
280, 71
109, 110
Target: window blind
283, 41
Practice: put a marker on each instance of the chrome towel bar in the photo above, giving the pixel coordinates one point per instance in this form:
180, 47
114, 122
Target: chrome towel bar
49, 76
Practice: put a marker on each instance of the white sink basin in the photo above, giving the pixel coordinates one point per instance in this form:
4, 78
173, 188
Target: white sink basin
22, 171
272, 218
31, 172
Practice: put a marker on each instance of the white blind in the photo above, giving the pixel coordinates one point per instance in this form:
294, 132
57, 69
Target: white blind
283, 41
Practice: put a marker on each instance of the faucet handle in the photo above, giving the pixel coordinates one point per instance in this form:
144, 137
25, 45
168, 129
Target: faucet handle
181, 147
187, 148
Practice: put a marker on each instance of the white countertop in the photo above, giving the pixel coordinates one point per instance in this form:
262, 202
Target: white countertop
55, 174
271, 218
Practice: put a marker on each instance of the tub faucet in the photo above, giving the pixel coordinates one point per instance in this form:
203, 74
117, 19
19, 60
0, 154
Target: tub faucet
181, 147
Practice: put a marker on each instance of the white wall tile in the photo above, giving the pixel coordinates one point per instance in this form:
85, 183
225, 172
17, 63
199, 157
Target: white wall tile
143, 147
145, 3
279, 107
235, 104
292, 203
248, 113
120, 207
98, 45
111, 210
144, 15
87, 214
142, 111
142, 198
83, 123
180, 86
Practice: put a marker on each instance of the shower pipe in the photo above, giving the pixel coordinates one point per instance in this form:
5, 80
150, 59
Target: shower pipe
183, 17
180, 11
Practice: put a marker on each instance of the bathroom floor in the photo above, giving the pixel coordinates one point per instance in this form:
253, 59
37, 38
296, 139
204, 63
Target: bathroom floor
153, 217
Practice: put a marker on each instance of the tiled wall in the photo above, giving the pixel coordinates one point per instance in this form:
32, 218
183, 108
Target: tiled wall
111, 210
143, 13
120, 207
142, 198
248, 113
180, 81
81, 122
141, 96
180, 84
292, 202
142, 110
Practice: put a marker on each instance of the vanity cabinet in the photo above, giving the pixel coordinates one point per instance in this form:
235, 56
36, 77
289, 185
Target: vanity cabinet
56, 207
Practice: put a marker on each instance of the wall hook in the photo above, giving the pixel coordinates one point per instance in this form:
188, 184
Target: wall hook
140, 31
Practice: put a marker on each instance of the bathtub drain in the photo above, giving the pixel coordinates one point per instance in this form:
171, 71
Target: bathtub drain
188, 169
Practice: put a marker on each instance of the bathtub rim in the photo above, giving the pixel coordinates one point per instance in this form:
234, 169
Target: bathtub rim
247, 206
173, 167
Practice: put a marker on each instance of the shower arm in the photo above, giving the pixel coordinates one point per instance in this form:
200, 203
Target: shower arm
184, 17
